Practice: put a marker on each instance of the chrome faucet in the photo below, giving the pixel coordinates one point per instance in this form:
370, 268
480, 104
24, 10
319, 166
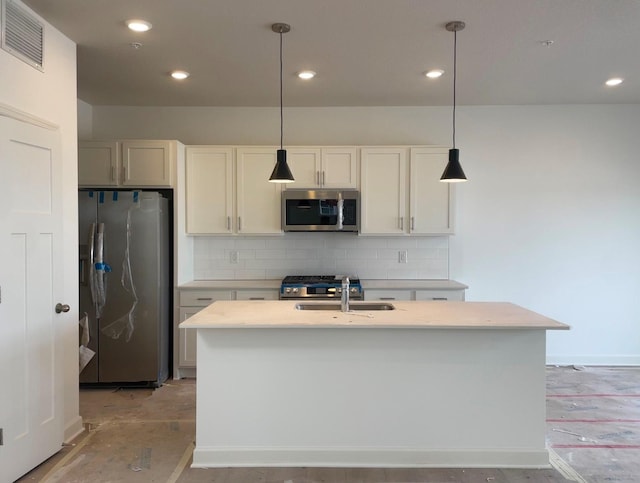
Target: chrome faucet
344, 296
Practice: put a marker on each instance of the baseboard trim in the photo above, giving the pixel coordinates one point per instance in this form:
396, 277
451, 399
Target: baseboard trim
73, 429
585, 360
216, 457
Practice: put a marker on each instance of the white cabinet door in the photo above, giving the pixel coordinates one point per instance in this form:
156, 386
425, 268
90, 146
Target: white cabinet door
98, 163
339, 167
209, 190
258, 201
305, 167
383, 190
146, 163
431, 200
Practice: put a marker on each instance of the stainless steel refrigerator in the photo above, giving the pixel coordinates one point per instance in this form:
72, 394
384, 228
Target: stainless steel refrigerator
125, 269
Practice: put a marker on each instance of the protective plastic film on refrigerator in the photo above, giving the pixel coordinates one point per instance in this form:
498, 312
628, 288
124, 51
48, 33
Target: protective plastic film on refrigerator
124, 286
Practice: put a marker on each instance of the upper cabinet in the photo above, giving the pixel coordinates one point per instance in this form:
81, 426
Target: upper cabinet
228, 191
99, 163
146, 163
402, 194
383, 184
430, 200
132, 163
209, 189
258, 201
323, 167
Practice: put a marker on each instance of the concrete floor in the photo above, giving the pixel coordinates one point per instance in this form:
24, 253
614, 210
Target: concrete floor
593, 432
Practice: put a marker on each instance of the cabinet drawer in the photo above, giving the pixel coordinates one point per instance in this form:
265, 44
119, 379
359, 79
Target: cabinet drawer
260, 294
440, 295
202, 298
388, 294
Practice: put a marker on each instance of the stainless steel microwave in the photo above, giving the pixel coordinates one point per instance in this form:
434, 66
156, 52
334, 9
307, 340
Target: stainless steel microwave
320, 210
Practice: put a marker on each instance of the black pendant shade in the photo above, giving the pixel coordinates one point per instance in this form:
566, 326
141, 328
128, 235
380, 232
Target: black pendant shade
281, 172
453, 172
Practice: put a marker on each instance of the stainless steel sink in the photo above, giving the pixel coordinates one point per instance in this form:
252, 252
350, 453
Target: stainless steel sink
352, 306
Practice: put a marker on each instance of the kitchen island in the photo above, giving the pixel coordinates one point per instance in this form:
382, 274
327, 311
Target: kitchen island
427, 384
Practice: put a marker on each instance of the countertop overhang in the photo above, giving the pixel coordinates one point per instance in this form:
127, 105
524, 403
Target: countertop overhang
271, 314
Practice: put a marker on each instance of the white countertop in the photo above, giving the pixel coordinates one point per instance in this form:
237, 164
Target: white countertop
430, 314
232, 284
413, 284
407, 284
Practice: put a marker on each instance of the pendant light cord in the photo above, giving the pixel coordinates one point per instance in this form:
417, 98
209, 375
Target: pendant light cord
281, 116
455, 49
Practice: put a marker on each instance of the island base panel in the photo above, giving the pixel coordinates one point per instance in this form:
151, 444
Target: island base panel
371, 397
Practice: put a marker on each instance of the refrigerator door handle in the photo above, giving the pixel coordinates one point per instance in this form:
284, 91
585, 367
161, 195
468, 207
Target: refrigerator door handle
91, 262
100, 268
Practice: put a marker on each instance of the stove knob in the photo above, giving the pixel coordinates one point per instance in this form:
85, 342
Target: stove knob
354, 289
295, 290
339, 290
287, 290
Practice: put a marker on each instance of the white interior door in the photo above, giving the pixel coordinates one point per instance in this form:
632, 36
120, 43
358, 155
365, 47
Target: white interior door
31, 283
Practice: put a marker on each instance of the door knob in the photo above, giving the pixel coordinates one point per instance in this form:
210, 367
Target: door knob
62, 308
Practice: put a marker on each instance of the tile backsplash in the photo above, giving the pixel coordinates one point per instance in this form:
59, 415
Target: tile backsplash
257, 258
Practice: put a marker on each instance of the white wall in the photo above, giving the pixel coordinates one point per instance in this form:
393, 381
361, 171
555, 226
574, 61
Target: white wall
85, 120
51, 95
548, 219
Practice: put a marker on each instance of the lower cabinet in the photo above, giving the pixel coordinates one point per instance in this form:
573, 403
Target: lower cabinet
259, 294
386, 294
190, 303
404, 294
439, 295
184, 348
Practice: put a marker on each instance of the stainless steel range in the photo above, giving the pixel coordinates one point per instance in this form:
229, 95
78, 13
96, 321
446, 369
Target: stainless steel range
318, 287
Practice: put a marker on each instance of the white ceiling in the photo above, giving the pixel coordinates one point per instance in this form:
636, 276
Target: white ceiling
366, 52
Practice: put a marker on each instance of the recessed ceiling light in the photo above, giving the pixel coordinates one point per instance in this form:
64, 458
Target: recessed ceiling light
434, 74
179, 74
306, 74
138, 25
614, 81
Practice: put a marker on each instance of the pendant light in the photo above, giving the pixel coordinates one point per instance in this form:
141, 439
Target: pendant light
281, 172
453, 172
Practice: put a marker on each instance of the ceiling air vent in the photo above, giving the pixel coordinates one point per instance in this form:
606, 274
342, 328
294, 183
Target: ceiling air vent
22, 34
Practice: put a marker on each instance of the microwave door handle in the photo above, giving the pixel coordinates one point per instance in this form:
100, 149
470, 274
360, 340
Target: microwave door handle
340, 220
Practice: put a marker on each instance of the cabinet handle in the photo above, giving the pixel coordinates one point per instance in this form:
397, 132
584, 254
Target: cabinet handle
318, 178
239, 224
125, 173
113, 173
386, 298
439, 298
402, 222
322, 178
256, 298
413, 223
204, 298
228, 223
